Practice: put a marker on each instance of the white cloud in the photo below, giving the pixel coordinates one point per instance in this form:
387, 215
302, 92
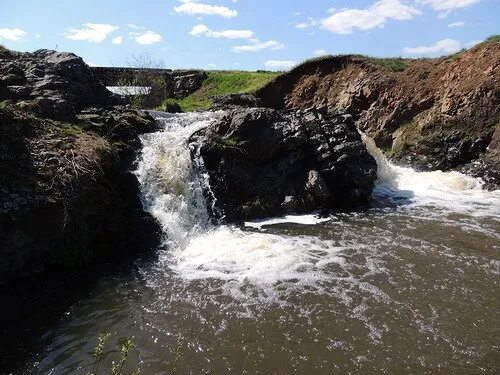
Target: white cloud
320, 52
446, 5
258, 46
212, 65
117, 40
194, 7
457, 24
12, 34
346, 20
279, 64
148, 37
444, 46
199, 30
134, 26
92, 32
302, 25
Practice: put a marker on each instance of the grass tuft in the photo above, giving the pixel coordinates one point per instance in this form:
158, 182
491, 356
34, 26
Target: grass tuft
493, 38
395, 64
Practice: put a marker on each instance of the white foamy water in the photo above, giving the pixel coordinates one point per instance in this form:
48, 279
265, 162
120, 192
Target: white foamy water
272, 264
311, 219
451, 190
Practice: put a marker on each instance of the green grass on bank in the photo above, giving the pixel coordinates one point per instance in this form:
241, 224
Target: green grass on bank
395, 64
222, 83
493, 38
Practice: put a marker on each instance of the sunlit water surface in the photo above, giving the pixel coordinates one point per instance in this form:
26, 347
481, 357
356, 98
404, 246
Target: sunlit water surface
408, 286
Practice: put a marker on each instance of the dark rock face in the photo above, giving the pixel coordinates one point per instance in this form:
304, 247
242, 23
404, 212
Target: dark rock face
173, 108
67, 197
52, 84
183, 83
263, 162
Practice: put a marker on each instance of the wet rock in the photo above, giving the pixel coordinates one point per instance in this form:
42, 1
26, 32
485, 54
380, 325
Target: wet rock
173, 108
263, 162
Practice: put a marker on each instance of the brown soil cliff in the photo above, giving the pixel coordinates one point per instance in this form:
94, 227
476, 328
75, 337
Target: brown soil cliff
432, 113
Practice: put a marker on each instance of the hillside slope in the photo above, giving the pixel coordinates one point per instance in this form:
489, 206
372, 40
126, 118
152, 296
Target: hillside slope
432, 113
222, 83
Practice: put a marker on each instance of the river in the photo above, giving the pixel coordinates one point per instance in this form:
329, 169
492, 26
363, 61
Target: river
409, 285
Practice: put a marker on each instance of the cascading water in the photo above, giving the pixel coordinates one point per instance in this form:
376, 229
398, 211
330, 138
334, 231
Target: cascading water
270, 265
407, 286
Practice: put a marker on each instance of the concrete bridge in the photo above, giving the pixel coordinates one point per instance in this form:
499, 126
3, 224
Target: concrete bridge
176, 83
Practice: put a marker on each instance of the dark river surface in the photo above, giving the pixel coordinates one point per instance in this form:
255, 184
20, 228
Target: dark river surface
409, 286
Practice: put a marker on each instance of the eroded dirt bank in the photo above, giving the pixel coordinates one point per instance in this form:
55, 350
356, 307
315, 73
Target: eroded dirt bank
430, 113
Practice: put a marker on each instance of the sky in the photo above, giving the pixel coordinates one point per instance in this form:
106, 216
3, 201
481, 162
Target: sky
245, 34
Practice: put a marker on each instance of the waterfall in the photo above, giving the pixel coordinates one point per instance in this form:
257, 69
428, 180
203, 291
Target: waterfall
195, 249
450, 190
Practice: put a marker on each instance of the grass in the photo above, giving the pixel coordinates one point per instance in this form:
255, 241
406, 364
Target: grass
395, 64
493, 38
222, 83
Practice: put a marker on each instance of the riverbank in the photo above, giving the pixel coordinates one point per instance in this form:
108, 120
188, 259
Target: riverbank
67, 146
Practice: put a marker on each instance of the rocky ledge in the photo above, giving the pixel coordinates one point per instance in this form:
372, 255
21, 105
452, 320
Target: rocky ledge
67, 145
441, 113
264, 162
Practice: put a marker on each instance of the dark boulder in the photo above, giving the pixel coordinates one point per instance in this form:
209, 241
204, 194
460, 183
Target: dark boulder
263, 162
173, 108
52, 84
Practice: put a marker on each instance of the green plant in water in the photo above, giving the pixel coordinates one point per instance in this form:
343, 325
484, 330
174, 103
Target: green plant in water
116, 367
98, 351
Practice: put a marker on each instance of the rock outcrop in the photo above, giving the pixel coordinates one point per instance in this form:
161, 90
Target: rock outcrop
429, 113
52, 84
67, 145
263, 162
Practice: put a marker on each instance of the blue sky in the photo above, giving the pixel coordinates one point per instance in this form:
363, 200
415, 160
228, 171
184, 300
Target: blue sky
245, 34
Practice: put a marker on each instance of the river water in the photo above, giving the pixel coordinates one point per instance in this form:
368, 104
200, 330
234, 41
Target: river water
407, 286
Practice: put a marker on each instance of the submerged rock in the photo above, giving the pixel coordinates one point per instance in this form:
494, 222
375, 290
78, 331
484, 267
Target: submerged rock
264, 162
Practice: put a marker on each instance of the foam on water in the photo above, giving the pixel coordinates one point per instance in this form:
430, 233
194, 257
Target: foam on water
451, 190
270, 265
311, 219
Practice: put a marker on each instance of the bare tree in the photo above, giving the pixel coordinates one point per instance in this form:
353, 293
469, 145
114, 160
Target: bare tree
144, 83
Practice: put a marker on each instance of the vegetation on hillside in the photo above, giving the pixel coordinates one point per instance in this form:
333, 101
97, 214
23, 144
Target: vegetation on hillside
222, 83
493, 38
395, 64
